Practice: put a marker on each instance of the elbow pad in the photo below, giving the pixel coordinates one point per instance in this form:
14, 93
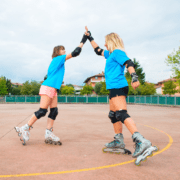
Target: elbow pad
130, 63
76, 52
98, 52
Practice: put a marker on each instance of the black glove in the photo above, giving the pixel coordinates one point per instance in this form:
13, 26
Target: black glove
84, 39
76, 52
90, 36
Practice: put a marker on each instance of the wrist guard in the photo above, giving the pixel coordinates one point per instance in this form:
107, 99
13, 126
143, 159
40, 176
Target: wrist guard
134, 77
90, 36
84, 39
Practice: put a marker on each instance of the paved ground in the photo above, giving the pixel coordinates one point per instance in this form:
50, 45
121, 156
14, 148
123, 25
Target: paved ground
84, 129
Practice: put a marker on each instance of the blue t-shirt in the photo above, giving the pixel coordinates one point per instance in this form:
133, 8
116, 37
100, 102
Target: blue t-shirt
114, 69
55, 72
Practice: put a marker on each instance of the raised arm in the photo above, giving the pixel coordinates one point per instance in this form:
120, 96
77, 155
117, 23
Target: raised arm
77, 51
95, 46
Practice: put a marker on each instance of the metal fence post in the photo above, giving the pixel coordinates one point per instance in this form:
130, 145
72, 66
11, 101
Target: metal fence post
151, 99
175, 100
97, 99
25, 99
166, 100
66, 99
5, 98
158, 99
135, 99
145, 99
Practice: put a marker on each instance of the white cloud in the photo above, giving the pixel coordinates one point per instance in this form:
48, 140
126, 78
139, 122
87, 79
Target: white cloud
30, 29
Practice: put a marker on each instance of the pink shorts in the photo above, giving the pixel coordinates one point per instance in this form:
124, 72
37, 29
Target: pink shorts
49, 91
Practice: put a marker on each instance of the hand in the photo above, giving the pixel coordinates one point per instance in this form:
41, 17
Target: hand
135, 84
88, 34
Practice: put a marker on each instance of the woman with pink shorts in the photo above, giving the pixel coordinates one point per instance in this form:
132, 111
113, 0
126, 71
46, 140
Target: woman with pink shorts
48, 93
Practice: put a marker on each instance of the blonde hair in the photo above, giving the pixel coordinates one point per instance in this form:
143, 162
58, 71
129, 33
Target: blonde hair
56, 51
113, 42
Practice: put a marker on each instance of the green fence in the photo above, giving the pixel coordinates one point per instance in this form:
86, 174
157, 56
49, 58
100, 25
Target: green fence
161, 100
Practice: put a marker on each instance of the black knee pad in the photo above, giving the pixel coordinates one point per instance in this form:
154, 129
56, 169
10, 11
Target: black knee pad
40, 113
53, 113
112, 117
121, 115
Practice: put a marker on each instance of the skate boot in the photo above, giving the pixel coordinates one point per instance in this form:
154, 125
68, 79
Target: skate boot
143, 148
117, 146
51, 138
23, 133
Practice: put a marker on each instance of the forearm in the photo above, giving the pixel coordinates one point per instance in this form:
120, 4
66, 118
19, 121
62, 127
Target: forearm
131, 69
81, 45
94, 44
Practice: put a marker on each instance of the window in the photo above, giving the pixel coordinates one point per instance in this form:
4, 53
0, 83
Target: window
96, 77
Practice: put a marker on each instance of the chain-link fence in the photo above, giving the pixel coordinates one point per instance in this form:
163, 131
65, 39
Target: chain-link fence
160, 100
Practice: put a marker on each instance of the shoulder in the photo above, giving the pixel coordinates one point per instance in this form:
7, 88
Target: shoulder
106, 53
119, 52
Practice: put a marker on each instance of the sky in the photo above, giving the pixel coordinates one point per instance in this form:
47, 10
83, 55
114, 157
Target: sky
30, 29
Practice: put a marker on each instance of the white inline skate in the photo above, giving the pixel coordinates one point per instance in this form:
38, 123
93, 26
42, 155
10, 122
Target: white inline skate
117, 146
51, 138
143, 148
23, 133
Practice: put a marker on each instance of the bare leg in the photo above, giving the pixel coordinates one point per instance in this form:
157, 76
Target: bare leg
50, 122
119, 103
118, 125
44, 103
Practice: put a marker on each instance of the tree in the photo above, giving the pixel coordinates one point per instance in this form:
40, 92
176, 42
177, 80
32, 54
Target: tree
26, 88
8, 85
16, 90
143, 89
67, 90
104, 91
169, 88
147, 89
173, 60
97, 88
87, 89
139, 72
35, 86
70, 85
3, 87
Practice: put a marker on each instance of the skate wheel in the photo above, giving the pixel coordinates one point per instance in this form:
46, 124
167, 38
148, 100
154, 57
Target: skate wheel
144, 160
157, 149
151, 154
46, 141
50, 142
103, 150
55, 143
137, 164
59, 143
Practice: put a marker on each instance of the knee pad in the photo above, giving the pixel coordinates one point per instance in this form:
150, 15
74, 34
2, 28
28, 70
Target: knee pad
53, 113
112, 117
40, 113
122, 115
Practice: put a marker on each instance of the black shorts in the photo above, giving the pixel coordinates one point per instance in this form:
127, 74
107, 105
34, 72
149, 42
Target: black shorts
118, 92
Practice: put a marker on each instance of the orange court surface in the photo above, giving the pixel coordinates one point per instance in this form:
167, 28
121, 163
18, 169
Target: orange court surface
83, 130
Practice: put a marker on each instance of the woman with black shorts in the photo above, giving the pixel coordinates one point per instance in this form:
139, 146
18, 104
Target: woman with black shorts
116, 83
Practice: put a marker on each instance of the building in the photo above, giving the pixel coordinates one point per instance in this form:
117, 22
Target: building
160, 85
95, 79
77, 89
